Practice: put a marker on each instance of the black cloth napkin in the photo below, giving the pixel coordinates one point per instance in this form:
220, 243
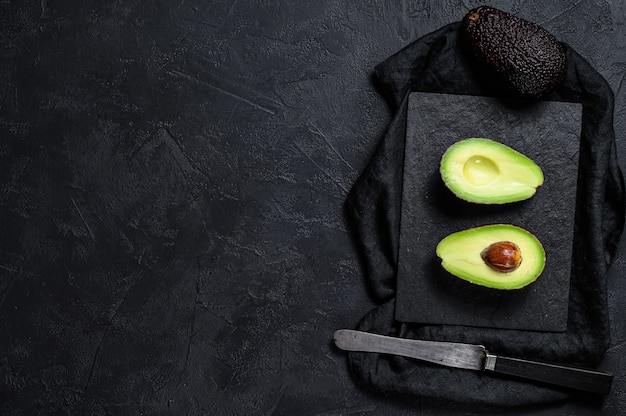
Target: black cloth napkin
439, 63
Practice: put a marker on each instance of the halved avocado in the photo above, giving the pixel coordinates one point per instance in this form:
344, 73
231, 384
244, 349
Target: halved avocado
484, 171
485, 256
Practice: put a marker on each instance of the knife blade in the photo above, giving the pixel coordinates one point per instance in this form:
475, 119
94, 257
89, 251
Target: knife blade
475, 357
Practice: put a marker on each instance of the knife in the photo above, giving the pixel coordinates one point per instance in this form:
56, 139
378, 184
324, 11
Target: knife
475, 357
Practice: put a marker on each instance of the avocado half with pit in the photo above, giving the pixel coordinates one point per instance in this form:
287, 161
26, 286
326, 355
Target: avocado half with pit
484, 171
499, 256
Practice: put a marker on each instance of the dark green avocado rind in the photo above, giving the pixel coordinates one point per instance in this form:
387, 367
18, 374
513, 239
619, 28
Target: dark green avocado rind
529, 57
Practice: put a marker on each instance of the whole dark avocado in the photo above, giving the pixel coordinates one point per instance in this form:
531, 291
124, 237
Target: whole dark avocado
526, 55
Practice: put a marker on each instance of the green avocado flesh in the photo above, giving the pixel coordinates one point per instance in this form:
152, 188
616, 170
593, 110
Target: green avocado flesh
461, 255
484, 171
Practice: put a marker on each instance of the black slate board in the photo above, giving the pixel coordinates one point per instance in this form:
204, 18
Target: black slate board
547, 132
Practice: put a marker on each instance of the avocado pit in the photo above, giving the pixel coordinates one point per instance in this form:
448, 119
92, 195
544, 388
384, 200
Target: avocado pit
503, 256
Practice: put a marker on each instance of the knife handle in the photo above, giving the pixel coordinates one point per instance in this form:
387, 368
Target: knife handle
577, 378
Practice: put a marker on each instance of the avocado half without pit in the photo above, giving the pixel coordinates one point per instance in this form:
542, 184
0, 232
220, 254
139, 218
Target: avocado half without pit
484, 171
499, 256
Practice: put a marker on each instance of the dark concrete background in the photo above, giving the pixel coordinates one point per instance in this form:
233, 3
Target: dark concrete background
172, 180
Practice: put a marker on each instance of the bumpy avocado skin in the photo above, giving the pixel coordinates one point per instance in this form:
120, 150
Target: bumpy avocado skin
460, 255
526, 55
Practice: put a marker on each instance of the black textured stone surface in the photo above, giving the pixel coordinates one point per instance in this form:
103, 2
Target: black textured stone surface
172, 176
548, 133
